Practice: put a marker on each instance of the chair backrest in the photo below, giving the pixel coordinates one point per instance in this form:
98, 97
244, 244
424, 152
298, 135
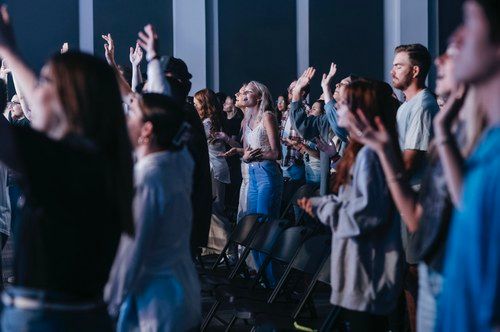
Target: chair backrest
245, 229
312, 253
324, 274
268, 233
307, 190
289, 242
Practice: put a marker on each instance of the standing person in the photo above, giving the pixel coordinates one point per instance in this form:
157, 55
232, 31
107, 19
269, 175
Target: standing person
231, 124
292, 162
429, 212
410, 68
366, 255
210, 112
281, 106
77, 168
470, 300
6, 214
175, 81
323, 126
154, 281
262, 150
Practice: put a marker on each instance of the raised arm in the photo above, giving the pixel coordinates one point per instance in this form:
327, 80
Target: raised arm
25, 77
22, 100
135, 57
109, 53
148, 40
326, 83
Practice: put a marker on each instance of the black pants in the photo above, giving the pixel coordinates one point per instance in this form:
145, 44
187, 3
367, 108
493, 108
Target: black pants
356, 321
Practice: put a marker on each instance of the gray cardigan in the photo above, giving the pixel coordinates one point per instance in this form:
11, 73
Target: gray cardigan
367, 255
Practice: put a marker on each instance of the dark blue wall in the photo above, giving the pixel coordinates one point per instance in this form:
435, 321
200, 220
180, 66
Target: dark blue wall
125, 18
42, 26
257, 42
349, 33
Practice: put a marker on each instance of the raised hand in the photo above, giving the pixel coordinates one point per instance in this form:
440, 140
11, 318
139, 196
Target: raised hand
148, 40
327, 78
304, 80
135, 55
365, 133
109, 49
306, 205
7, 40
64, 48
444, 118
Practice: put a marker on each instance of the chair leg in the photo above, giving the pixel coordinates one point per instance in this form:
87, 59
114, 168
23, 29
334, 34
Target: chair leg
330, 321
261, 271
307, 294
280, 284
239, 263
221, 255
210, 315
231, 323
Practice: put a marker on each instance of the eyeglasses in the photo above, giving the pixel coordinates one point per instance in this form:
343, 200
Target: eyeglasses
339, 84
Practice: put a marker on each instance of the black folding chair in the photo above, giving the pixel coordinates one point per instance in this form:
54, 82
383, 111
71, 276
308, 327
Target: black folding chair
242, 235
283, 250
307, 260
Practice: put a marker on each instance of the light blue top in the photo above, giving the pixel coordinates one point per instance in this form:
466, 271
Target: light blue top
158, 257
471, 293
414, 119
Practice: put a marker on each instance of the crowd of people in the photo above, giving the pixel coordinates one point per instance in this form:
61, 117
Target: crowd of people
114, 183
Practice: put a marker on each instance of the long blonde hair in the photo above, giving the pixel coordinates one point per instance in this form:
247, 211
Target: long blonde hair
266, 101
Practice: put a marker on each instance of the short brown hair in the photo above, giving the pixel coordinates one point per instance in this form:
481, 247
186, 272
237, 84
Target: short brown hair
419, 56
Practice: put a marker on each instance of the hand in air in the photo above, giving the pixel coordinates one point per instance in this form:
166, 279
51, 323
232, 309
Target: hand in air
304, 80
148, 40
376, 137
109, 49
135, 55
64, 48
327, 78
7, 40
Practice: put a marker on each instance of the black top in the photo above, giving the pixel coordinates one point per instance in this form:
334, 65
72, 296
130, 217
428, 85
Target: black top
232, 127
201, 197
70, 229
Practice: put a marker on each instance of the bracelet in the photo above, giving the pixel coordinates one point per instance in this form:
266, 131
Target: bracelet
156, 57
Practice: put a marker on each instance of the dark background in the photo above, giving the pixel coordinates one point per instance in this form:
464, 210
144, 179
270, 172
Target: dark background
256, 38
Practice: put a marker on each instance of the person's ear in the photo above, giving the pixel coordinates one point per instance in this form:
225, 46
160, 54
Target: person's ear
147, 131
415, 71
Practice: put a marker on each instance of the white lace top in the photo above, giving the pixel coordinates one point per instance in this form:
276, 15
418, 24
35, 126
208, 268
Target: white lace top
257, 137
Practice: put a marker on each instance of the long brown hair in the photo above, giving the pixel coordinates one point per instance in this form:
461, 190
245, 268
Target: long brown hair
211, 108
89, 93
374, 98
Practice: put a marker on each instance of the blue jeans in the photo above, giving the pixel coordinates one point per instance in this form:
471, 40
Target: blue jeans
41, 320
294, 172
265, 187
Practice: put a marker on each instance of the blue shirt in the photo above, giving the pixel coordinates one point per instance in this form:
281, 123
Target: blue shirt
471, 294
